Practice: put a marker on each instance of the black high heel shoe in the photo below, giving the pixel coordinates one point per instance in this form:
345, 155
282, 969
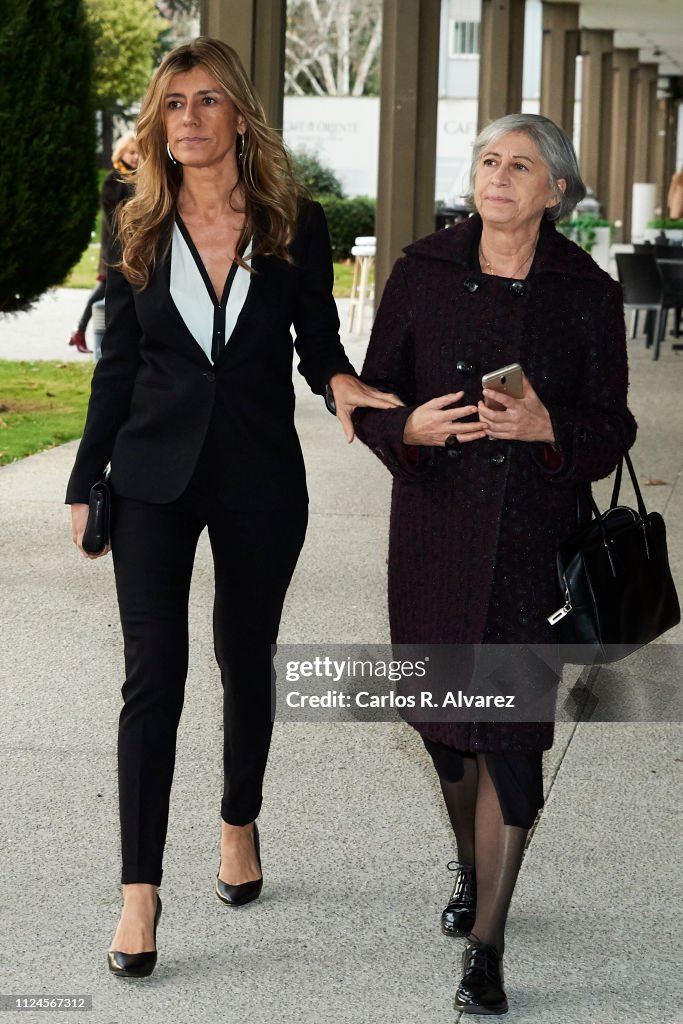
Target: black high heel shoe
135, 965
245, 892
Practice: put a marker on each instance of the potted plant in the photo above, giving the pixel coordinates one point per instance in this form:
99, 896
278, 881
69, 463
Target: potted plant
592, 233
672, 229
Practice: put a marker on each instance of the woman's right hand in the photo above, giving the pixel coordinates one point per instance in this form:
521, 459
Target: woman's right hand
432, 422
79, 518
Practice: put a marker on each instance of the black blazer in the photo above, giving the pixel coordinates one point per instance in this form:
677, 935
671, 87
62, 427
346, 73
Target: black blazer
156, 398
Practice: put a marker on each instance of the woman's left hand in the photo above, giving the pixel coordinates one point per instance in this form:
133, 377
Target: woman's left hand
524, 419
350, 393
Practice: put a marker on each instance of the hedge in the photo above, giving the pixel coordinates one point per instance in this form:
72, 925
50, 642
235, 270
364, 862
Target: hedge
346, 219
48, 187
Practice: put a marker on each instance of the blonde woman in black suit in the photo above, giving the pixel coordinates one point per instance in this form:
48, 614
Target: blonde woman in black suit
193, 403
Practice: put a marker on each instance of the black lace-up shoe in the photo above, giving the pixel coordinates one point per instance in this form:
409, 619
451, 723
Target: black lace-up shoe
459, 913
481, 989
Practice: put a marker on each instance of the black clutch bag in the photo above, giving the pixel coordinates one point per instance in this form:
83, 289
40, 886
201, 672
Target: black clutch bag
614, 573
98, 527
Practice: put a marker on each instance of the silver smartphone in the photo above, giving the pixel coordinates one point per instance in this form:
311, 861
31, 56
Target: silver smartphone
507, 380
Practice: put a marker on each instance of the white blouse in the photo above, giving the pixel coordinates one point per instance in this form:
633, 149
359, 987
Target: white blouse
209, 321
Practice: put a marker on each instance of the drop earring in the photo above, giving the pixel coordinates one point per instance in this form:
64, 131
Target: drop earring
240, 155
170, 154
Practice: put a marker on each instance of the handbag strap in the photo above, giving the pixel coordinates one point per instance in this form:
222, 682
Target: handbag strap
584, 494
626, 458
617, 484
586, 506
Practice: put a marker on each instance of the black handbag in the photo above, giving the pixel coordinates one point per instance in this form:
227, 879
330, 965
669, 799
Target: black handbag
614, 572
98, 527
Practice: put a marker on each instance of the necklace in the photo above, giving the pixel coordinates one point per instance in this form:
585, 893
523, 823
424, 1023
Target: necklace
527, 259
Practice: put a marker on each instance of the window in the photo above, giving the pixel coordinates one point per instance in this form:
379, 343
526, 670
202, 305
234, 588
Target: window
463, 39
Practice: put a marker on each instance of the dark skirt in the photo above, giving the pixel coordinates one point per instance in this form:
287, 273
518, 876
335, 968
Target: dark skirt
518, 779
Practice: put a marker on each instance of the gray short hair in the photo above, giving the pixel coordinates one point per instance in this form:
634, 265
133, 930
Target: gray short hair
555, 149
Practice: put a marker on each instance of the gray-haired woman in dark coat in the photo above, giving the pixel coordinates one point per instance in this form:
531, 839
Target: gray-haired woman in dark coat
482, 498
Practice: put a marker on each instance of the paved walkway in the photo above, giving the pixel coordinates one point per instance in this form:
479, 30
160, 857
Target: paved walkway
355, 839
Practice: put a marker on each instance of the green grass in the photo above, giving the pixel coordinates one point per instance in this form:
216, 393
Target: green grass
84, 274
42, 404
343, 278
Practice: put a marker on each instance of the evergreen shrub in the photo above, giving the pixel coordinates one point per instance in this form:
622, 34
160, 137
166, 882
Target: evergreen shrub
314, 176
48, 186
346, 219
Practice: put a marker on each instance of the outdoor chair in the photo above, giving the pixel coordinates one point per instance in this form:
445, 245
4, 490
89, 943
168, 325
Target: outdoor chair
668, 252
642, 285
671, 274
646, 247
362, 290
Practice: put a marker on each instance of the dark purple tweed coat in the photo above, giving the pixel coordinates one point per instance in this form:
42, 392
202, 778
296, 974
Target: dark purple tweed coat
473, 536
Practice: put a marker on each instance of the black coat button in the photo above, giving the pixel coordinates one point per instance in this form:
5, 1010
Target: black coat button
464, 366
518, 288
471, 285
452, 446
210, 376
497, 458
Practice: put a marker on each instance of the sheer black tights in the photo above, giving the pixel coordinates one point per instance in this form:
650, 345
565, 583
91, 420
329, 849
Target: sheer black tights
461, 802
483, 839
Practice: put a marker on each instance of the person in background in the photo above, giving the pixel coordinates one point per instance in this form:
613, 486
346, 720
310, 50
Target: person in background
116, 188
482, 497
675, 197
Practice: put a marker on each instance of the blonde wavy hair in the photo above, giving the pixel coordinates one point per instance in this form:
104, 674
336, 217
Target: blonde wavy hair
265, 171
122, 145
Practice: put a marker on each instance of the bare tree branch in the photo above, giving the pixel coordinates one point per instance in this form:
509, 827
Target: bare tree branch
299, 64
332, 45
292, 87
367, 59
343, 21
323, 24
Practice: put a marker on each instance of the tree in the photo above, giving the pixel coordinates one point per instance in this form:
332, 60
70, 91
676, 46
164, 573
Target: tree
184, 8
332, 47
318, 179
48, 186
126, 37
183, 23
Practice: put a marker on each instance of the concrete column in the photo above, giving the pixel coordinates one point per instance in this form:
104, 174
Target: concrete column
624, 66
407, 135
645, 122
596, 110
256, 29
501, 53
558, 69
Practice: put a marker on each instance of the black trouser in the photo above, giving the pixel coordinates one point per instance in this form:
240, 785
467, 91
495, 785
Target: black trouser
95, 296
254, 555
